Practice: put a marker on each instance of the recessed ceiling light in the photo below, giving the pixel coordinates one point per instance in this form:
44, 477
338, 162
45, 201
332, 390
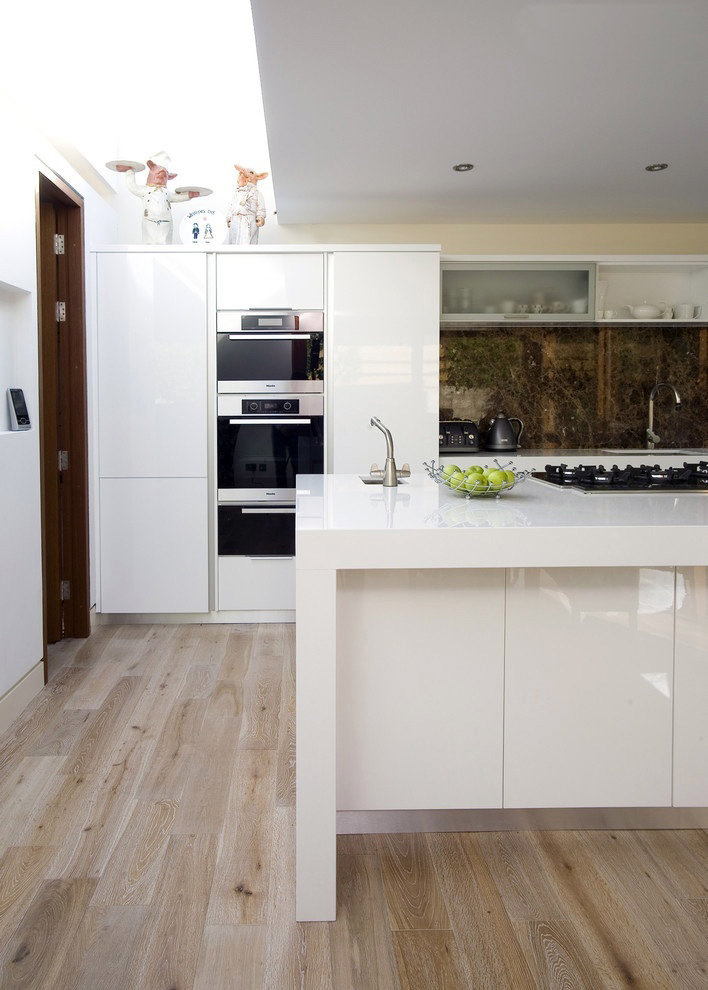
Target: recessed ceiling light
659, 167
462, 167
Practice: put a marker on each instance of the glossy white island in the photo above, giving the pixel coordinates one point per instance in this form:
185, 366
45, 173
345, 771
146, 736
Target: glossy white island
544, 652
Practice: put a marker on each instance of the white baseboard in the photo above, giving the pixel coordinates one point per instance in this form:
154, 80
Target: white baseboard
187, 618
14, 701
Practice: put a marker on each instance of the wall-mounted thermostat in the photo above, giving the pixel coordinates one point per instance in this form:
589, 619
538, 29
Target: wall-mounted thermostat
19, 415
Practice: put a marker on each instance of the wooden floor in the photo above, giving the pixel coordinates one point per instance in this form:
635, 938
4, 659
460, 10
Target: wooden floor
147, 836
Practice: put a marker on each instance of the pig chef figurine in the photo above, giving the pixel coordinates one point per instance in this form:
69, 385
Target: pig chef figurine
246, 215
156, 197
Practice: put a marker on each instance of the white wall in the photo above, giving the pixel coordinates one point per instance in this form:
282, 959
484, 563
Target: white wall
20, 495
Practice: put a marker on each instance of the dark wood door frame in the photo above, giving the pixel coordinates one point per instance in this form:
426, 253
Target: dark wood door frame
63, 404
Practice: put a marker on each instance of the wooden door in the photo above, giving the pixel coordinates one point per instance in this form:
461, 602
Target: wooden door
63, 411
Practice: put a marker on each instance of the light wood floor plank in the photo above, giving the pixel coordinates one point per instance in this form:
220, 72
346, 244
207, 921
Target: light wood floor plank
619, 952
557, 954
172, 939
108, 814
22, 871
429, 960
241, 888
520, 877
199, 682
411, 884
298, 956
59, 814
362, 949
35, 954
42, 712
103, 952
91, 650
491, 954
231, 958
165, 778
285, 786
665, 925
61, 733
261, 703
212, 643
131, 875
101, 732
21, 791
202, 807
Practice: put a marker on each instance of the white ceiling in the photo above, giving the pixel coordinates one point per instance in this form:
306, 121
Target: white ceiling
559, 105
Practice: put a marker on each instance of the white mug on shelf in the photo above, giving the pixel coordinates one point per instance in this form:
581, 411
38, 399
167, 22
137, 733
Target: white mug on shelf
686, 311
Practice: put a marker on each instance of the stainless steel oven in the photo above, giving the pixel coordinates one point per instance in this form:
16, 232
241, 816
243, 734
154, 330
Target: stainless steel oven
263, 442
268, 352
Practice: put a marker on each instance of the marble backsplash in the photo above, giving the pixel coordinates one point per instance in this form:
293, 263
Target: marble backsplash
578, 386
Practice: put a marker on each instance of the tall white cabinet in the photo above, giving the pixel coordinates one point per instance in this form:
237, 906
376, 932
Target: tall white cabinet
152, 432
384, 356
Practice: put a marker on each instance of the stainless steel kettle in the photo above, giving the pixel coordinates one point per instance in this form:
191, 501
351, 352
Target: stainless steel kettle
501, 435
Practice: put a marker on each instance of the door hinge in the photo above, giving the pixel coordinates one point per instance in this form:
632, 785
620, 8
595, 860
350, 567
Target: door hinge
58, 244
65, 591
61, 312
63, 460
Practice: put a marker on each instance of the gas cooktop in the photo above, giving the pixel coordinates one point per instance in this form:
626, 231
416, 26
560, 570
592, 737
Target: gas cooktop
592, 479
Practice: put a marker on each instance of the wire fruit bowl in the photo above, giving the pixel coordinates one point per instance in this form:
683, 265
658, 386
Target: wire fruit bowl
484, 490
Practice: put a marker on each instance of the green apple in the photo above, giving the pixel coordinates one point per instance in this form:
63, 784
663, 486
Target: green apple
457, 480
449, 469
496, 479
510, 476
475, 469
476, 483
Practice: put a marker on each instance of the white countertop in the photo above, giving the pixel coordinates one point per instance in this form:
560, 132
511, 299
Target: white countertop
343, 523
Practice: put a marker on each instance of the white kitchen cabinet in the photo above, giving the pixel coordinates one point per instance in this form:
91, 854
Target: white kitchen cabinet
384, 357
588, 687
152, 371
153, 545
153, 504
691, 689
270, 281
420, 685
493, 291
256, 583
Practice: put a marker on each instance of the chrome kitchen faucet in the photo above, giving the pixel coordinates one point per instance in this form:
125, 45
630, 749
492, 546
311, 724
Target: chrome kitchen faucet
390, 478
652, 438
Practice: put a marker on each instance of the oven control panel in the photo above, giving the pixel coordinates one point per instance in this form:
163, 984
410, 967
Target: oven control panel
270, 407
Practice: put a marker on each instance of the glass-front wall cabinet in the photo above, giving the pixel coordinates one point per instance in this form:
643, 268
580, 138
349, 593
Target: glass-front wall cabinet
473, 292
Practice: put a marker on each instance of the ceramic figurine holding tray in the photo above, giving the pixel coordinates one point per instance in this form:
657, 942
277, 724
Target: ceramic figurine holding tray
246, 215
156, 197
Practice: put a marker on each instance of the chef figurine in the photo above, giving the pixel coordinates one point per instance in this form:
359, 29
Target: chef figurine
156, 197
246, 215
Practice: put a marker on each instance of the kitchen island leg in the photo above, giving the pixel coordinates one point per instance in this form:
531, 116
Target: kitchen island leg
316, 707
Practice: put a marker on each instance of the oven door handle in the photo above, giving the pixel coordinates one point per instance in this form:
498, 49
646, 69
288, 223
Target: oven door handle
269, 422
266, 335
268, 511
271, 556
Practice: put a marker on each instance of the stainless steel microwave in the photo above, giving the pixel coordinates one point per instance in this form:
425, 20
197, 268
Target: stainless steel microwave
270, 352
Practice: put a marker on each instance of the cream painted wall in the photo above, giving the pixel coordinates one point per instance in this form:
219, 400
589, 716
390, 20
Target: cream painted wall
492, 239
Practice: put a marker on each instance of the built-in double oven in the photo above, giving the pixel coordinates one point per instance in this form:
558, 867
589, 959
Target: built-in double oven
270, 428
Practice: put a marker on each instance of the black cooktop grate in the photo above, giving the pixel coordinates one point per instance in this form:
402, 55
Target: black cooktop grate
631, 478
